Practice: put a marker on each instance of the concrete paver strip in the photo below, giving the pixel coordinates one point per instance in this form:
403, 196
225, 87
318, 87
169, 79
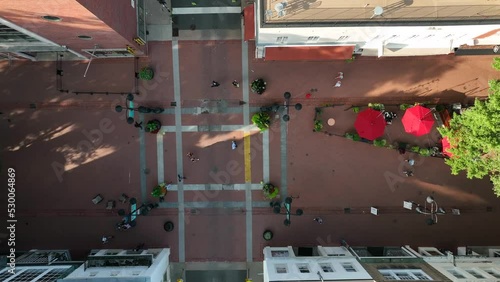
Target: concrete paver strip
284, 159
159, 157
265, 156
142, 160
206, 10
217, 187
178, 148
204, 128
217, 204
248, 177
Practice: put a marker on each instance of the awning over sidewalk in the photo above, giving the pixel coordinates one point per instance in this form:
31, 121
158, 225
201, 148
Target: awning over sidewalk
249, 21
308, 53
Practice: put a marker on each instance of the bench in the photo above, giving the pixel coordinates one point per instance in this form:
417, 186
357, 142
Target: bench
123, 198
110, 205
97, 199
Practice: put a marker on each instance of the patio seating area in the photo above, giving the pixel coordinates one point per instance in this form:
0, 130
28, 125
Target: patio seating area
394, 133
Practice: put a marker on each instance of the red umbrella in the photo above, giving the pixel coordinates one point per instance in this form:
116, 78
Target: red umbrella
446, 147
418, 120
370, 124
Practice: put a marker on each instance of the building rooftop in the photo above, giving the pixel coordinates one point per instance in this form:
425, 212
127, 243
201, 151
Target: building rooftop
378, 11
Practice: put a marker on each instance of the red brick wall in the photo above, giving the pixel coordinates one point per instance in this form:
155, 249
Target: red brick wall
76, 20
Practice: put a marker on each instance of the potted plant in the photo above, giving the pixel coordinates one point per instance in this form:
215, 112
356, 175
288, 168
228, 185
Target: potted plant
376, 106
415, 149
160, 190
262, 120
353, 136
425, 152
146, 73
350, 60
379, 143
404, 107
153, 126
268, 235
318, 125
168, 226
270, 191
258, 86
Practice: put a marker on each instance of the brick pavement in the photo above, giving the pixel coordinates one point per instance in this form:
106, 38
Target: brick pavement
328, 172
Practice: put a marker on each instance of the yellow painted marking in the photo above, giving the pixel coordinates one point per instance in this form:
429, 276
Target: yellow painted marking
248, 164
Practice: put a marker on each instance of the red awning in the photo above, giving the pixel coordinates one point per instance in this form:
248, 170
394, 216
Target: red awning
308, 53
249, 22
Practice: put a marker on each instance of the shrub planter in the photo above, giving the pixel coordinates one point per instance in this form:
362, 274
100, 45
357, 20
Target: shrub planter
168, 226
146, 73
318, 123
153, 126
380, 143
159, 191
258, 86
268, 235
270, 191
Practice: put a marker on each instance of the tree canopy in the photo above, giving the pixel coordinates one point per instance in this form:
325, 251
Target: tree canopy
474, 138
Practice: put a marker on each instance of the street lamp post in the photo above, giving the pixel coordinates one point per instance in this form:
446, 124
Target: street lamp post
430, 208
288, 210
298, 106
141, 109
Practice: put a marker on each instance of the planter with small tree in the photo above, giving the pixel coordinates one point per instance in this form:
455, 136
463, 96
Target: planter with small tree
146, 73
270, 191
153, 126
160, 190
262, 120
258, 86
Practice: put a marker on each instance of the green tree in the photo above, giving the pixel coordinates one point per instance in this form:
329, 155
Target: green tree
496, 63
474, 137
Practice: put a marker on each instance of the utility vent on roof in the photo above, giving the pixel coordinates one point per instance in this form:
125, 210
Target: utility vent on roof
282, 39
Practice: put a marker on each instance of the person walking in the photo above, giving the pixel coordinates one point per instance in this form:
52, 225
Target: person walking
215, 84
236, 84
192, 158
340, 75
410, 161
234, 145
138, 125
408, 173
106, 239
318, 220
180, 178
